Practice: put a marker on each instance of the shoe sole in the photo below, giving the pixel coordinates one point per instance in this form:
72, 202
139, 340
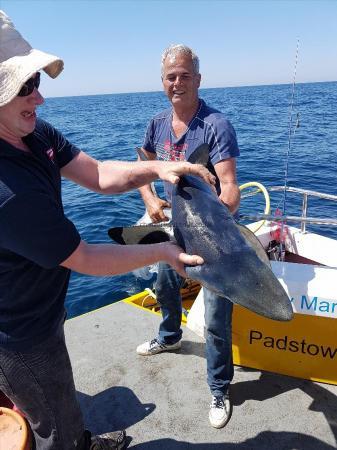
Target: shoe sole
219, 426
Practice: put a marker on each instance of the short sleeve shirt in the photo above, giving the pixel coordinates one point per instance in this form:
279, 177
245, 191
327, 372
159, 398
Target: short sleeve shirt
208, 126
35, 237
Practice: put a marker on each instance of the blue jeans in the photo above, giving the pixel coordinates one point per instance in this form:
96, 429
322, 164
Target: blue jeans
40, 383
218, 319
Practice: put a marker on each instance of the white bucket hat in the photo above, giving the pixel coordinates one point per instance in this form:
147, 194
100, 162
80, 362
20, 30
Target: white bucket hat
19, 61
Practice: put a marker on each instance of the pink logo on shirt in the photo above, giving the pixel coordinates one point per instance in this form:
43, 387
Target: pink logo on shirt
50, 154
167, 146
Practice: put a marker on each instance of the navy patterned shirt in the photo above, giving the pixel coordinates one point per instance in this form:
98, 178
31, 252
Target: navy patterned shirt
208, 126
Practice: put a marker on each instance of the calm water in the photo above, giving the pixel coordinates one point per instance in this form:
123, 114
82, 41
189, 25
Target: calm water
111, 126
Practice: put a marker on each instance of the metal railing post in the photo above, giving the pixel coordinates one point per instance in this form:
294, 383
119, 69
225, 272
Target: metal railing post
304, 212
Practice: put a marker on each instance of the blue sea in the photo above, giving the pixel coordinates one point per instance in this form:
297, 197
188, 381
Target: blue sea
111, 126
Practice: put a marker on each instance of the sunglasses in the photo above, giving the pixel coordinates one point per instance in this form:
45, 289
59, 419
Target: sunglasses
29, 86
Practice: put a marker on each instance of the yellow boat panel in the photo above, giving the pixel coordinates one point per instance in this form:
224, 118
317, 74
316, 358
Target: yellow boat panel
305, 347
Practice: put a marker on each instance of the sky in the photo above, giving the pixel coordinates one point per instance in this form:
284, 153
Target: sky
115, 46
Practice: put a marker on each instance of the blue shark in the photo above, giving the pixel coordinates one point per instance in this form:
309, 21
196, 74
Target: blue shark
235, 263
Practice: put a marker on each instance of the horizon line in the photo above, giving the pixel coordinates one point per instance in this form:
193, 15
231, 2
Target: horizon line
200, 89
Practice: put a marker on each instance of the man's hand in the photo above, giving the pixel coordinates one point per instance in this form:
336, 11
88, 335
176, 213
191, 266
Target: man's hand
177, 259
172, 170
155, 208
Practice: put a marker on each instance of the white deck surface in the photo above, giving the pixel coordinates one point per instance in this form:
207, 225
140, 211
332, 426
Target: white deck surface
163, 400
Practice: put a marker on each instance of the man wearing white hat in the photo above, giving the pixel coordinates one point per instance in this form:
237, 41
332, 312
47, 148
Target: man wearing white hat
39, 246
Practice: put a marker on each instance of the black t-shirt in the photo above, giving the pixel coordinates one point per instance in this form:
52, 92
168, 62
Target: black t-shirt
35, 237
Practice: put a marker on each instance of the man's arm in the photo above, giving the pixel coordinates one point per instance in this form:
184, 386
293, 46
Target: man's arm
153, 204
110, 259
113, 177
230, 192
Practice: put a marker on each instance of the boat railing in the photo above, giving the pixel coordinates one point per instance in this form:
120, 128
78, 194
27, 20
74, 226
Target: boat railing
303, 219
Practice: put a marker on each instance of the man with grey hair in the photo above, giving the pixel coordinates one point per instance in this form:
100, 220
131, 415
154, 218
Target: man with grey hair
174, 135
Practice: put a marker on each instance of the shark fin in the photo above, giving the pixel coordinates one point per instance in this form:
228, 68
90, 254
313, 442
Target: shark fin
200, 155
139, 234
141, 154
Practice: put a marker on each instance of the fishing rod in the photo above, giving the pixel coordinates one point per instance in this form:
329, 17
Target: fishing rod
291, 132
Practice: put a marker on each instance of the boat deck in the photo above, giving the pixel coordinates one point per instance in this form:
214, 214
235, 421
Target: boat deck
163, 400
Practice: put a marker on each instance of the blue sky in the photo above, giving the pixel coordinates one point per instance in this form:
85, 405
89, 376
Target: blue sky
115, 46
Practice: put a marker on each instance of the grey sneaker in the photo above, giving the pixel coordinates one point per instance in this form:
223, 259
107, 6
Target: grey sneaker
153, 347
109, 441
221, 410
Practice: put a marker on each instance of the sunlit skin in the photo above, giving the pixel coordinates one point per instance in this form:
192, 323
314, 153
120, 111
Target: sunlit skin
181, 85
18, 118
